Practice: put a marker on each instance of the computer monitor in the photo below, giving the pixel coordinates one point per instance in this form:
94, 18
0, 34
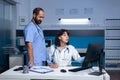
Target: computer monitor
48, 42
94, 54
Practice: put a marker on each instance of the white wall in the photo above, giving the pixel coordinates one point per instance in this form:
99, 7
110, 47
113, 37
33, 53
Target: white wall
23, 10
97, 10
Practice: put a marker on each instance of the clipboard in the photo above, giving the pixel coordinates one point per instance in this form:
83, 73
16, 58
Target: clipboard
41, 70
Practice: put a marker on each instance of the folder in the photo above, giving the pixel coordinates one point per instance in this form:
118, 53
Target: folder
40, 69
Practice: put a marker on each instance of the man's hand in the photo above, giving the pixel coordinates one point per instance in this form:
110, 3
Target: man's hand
31, 62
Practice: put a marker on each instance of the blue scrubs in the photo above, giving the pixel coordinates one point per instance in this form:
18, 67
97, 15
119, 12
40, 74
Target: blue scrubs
34, 34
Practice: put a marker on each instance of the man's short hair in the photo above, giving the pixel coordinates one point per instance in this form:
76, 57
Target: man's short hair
36, 10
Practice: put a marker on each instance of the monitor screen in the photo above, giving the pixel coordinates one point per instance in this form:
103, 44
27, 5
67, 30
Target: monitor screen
48, 42
94, 54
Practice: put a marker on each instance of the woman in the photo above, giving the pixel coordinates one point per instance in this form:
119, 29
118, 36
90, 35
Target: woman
61, 53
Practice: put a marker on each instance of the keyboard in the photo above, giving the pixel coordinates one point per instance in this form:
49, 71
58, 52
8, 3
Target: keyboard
79, 69
18, 69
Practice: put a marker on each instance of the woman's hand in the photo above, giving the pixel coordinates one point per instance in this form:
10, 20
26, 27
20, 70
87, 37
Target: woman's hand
53, 65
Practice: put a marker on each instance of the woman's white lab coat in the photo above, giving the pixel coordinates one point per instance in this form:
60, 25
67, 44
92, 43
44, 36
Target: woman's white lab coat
64, 57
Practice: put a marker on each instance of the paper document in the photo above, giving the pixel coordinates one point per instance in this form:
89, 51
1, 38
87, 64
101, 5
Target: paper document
40, 69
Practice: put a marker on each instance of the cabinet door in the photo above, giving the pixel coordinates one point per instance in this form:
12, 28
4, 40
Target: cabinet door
112, 54
115, 44
112, 22
112, 33
112, 44
16, 60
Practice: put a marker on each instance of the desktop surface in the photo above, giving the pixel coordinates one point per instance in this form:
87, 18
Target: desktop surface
56, 74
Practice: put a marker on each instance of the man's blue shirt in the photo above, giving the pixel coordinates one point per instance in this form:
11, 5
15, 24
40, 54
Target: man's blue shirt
34, 34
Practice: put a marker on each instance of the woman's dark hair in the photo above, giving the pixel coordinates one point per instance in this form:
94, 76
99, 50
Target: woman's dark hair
36, 10
57, 40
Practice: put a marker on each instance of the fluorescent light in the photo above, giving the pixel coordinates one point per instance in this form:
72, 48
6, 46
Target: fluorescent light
75, 21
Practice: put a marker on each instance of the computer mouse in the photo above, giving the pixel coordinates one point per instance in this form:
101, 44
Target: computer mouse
63, 70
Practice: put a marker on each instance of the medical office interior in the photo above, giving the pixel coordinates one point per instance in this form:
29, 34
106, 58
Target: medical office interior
103, 25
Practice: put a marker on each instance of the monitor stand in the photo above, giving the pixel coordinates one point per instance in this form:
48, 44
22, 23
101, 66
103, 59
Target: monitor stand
96, 73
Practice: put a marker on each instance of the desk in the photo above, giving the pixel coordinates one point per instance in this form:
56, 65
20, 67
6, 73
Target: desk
80, 75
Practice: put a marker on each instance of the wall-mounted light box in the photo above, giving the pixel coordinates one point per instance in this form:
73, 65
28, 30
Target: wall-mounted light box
74, 20
22, 20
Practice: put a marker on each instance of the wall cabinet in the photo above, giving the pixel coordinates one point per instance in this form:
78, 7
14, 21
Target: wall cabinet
112, 44
16, 60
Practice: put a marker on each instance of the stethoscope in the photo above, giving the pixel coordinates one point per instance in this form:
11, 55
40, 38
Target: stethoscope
37, 26
53, 55
38, 30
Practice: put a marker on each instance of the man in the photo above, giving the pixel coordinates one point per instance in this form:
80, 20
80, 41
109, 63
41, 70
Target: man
34, 39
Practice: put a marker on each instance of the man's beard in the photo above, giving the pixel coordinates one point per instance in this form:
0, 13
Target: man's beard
37, 21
